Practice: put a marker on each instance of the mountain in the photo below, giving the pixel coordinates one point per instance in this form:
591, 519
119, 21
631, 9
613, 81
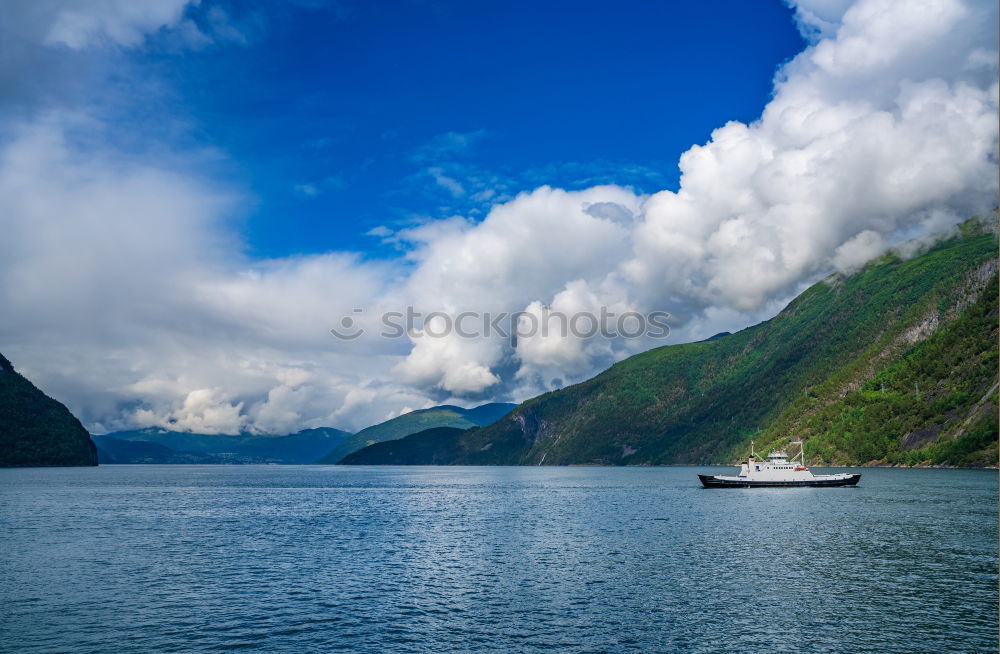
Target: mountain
36, 430
894, 365
445, 415
116, 450
410, 450
179, 447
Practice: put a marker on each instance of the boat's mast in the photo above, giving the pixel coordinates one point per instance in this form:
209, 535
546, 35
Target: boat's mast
802, 451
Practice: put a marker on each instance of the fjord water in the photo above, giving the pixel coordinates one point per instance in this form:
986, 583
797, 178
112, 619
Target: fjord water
300, 559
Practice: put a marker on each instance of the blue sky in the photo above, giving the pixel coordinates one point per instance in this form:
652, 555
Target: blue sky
338, 120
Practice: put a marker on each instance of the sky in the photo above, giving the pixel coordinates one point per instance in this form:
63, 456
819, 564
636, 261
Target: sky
192, 194
346, 118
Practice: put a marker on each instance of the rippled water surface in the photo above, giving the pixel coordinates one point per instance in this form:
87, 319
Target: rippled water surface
316, 559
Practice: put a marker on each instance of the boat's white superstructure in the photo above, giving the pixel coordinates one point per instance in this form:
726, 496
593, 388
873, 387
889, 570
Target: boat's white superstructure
777, 470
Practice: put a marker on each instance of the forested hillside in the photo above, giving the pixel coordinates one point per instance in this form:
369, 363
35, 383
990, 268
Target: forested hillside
36, 430
895, 364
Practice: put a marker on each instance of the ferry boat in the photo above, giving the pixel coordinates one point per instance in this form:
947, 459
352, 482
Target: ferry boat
777, 471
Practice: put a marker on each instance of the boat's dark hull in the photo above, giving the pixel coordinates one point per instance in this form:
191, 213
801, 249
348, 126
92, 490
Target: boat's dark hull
712, 481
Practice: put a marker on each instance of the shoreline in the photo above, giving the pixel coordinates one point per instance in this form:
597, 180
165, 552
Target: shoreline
570, 465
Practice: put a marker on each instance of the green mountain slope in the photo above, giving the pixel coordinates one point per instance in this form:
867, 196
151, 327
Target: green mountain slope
301, 447
410, 450
941, 396
837, 366
416, 421
36, 430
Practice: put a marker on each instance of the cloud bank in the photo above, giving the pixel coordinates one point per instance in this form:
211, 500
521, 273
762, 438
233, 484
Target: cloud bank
126, 294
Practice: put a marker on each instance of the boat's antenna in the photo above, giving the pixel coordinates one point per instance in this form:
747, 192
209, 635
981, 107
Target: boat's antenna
752, 453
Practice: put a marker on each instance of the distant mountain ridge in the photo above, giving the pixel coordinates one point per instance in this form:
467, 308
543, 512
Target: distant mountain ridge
116, 450
133, 446
162, 446
410, 450
445, 415
36, 430
893, 365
